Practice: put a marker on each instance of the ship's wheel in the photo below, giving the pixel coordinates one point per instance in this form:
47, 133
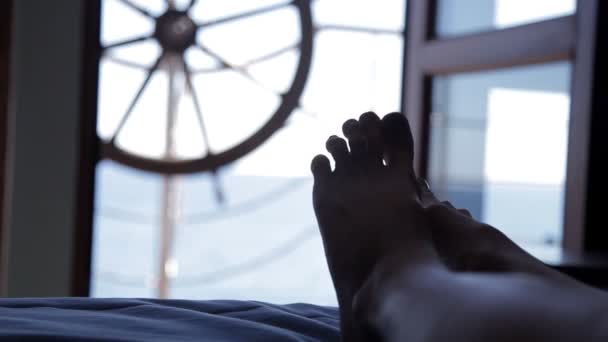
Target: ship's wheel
176, 31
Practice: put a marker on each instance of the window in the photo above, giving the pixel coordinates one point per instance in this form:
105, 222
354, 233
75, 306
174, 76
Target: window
233, 231
498, 146
457, 17
512, 57
6, 9
245, 229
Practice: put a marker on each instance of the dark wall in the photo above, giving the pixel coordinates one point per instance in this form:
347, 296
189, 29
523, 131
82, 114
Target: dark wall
44, 167
5, 39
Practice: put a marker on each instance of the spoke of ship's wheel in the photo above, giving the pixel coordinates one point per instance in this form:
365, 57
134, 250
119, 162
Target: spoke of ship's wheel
191, 4
250, 62
137, 8
359, 29
239, 70
246, 14
218, 68
127, 42
270, 55
124, 62
143, 86
197, 106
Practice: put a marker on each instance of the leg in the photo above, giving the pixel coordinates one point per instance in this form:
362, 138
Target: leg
419, 270
360, 206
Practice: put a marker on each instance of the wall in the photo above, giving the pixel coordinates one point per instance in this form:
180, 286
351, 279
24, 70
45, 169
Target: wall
47, 50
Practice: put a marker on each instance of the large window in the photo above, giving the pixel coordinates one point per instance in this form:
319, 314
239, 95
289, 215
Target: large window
244, 230
496, 95
492, 90
498, 146
456, 17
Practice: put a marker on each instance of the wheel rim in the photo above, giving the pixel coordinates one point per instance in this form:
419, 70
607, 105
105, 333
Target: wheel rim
213, 161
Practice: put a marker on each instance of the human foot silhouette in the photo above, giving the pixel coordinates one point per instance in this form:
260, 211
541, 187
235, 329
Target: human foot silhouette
368, 206
479, 286
408, 267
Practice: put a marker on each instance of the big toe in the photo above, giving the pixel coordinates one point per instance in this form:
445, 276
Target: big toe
398, 141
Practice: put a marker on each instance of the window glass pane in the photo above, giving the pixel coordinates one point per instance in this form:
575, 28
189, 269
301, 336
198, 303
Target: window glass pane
138, 25
456, 17
248, 232
262, 244
362, 74
499, 145
389, 14
125, 241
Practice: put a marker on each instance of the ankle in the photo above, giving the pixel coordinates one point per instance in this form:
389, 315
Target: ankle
380, 296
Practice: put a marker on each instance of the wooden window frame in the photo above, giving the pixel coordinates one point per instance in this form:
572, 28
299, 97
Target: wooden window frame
573, 38
6, 25
89, 151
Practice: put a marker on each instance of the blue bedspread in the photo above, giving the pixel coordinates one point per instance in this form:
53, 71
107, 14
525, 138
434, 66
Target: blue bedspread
87, 319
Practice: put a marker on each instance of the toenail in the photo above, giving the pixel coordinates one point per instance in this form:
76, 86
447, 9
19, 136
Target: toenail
320, 165
350, 128
369, 116
335, 140
336, 145
423, 184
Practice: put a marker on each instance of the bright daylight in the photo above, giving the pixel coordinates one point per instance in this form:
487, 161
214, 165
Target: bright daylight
246, 245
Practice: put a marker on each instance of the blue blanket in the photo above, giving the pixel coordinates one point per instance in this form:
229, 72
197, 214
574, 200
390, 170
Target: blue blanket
87, 319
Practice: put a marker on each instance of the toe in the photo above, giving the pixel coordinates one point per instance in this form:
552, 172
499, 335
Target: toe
465, 212
356, 140
398, 140
371, 126
320, 168
448, 204
427, 197
336, 146
462, 211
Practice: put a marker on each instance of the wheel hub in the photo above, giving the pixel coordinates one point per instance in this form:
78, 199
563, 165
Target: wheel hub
175, 31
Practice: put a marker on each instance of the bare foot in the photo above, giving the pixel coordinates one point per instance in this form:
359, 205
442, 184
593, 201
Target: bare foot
483, 288
366, 209
408, 267
467, 245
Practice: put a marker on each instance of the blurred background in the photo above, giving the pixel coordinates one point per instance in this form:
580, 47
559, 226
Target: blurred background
204, 115
261, 242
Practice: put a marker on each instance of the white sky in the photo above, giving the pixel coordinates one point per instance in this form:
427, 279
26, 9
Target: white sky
351, 73
234, 107
527, 136
517, 12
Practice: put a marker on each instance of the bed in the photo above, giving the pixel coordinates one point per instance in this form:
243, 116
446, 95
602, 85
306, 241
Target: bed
91, 319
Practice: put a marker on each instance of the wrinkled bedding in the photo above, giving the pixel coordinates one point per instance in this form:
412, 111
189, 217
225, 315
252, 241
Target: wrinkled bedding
88, 319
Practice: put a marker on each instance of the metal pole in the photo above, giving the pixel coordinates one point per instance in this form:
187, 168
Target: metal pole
169, 208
